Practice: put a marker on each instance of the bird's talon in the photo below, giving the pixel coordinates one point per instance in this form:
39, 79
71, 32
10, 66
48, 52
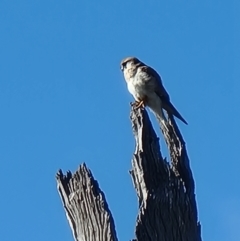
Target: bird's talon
140, 104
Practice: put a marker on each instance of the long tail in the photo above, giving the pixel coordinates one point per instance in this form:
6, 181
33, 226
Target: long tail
172, 110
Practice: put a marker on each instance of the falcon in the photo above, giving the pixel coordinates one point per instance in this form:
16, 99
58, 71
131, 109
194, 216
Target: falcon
145, 84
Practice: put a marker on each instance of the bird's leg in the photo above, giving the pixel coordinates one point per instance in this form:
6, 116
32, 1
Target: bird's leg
134, 103
141, 103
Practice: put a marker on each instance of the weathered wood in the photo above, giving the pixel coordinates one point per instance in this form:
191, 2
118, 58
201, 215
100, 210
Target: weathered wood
167, 205
85, 205
166, 192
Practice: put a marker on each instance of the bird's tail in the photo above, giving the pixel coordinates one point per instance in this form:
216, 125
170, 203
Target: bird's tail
173, 111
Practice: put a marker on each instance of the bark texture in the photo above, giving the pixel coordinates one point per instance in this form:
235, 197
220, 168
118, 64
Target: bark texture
167, 205
85, 206
165, 190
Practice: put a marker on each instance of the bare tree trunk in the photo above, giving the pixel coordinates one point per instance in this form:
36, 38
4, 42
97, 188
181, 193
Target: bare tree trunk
85, 206
166, 195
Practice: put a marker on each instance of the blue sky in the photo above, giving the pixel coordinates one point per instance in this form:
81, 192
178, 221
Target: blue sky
63, 101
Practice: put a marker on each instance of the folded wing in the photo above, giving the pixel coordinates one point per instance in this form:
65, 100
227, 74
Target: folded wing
162, 93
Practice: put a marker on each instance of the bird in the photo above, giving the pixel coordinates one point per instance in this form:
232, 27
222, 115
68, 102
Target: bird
146, 86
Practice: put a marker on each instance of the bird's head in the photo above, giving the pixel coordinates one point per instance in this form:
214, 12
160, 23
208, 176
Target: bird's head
130, 62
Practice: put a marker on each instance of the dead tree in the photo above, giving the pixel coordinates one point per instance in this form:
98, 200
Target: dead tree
165, 190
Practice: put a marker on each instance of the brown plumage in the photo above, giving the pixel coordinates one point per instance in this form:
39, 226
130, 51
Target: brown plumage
145, 84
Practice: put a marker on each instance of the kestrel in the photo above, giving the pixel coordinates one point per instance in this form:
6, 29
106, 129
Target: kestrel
145, 84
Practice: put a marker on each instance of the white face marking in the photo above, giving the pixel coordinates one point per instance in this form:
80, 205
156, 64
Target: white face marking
129, 64
129, 70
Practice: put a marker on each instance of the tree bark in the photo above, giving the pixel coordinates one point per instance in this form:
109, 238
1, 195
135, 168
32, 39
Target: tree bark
167, 205
85, 206
166, 192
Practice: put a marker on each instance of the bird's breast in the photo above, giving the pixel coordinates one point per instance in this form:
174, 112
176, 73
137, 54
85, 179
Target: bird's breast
136, 88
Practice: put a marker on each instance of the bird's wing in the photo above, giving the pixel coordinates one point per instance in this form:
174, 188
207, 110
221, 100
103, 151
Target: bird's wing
157, 83
162, 93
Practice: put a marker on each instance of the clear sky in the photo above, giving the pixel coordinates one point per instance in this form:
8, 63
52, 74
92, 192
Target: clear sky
63, 101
